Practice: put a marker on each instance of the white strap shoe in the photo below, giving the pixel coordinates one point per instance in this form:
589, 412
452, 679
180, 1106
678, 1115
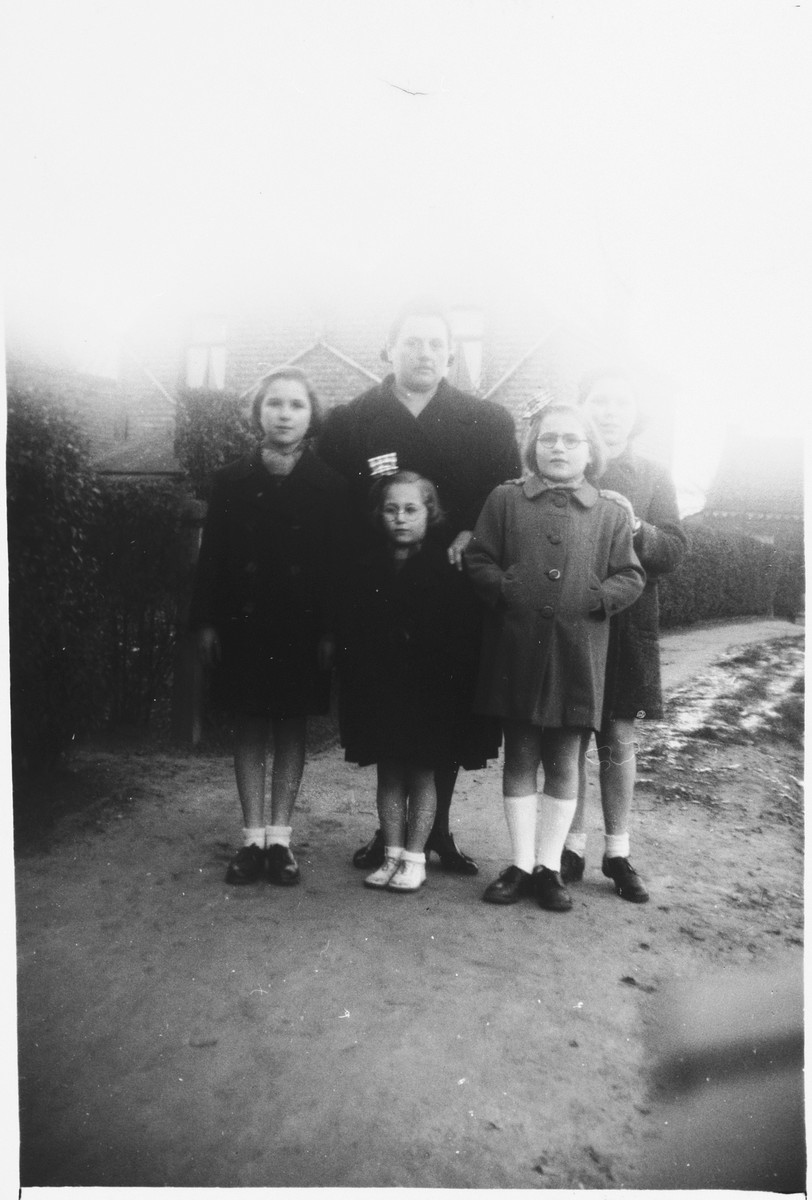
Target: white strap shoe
410, 874
381, 877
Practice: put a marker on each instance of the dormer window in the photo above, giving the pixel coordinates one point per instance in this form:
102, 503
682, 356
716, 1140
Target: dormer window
467, 329
206, 354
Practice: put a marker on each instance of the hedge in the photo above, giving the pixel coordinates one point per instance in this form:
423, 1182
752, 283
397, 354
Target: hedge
728, 574
93, 587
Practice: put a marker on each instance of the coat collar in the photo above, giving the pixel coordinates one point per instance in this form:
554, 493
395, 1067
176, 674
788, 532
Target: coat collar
586, 494
447, 400
308, 468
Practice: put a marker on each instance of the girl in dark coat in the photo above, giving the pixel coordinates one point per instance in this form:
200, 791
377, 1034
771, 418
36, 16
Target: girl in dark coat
407, 668
553, 559
633, 664
263, 607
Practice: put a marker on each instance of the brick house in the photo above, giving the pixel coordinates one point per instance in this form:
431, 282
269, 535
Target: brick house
511, 361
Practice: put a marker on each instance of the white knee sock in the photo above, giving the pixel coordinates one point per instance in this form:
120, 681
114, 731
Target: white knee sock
520, 814
616, 845
278, 835
254, 836
555, 818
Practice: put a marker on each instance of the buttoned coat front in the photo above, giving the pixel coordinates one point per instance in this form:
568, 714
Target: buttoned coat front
552, 565
271, 558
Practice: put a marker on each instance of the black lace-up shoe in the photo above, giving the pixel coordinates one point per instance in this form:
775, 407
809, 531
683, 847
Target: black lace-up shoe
371, 856
550, 891
511, 885
628, 884
247, 865
572, 866
282, 866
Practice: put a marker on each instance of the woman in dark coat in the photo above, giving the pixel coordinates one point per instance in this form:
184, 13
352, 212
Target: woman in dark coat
633, 688
264, 610
464, 445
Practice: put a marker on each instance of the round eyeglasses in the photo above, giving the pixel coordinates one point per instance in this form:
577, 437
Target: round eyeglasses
568, 440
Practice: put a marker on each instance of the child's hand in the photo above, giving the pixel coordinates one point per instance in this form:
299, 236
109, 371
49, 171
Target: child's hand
208, 646
458, 546
326, 652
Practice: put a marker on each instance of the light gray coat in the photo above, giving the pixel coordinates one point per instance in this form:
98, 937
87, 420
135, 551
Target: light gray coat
552, 565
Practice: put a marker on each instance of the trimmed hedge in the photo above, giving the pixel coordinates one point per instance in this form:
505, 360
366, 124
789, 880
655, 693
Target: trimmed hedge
728, 575
212, 429
93, 587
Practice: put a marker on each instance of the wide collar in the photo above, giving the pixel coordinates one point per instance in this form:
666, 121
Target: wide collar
586, 494
308, 469
447, 402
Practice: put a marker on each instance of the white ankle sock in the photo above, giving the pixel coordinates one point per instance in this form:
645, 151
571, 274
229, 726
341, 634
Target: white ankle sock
254, 836
616, 845
414, 856
393, 851
576, 842
278, 835
520, 814
555, 818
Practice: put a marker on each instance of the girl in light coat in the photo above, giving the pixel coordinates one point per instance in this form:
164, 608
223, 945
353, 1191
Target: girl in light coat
552, 558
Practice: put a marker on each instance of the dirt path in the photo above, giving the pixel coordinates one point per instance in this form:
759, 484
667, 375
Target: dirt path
176, 1031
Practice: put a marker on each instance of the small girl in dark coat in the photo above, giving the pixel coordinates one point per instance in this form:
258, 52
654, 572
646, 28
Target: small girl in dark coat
264, 610
553, 559
407, 669
633, 664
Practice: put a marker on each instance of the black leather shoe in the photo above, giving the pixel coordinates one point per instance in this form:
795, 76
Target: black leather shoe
511, 885
628, 884
371, 856
550, 891
572, 866
450, 856
247, 865
282, 866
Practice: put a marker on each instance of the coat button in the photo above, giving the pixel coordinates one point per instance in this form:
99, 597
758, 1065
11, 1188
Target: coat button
547, 611
295, 569
555, 538
250, 568
560, 501
554, 574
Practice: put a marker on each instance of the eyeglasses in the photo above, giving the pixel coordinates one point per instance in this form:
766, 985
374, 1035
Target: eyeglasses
550, 440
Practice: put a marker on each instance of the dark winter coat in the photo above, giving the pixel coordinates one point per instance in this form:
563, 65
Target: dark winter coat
272, 552
633, 687
552, 564
408, 662
466, 446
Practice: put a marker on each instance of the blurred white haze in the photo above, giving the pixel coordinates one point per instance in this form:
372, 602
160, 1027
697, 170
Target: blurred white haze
640, 168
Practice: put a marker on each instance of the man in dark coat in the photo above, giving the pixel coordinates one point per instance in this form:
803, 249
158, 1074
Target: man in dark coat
416, 421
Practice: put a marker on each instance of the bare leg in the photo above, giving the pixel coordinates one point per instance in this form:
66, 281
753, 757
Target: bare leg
288, 765
250, 756
522, 758
422, 803
560, 754
618, 771
579, 820
392, 799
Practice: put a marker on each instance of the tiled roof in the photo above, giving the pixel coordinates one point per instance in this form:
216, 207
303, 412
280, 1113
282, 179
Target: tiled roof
759, 475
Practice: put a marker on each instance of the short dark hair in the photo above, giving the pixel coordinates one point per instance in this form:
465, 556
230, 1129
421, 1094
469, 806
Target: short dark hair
418, 308
591, 378
256, 394
595, 468
380, 490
